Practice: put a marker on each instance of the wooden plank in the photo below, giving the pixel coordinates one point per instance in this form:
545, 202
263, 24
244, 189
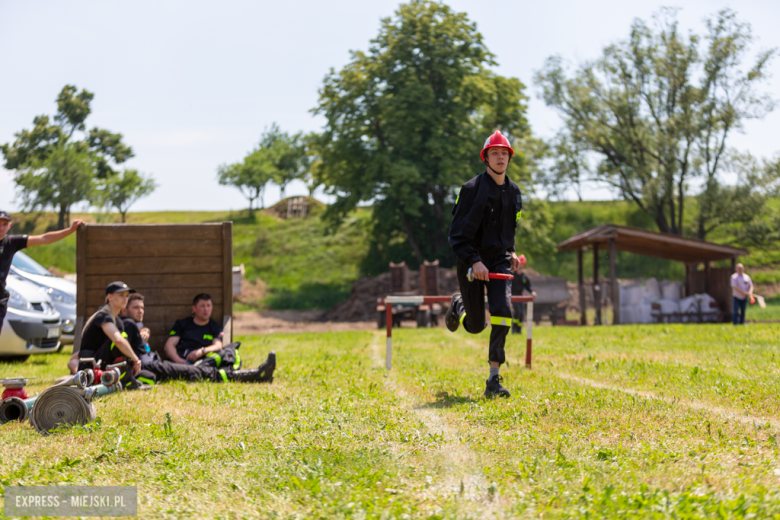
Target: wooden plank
160, 296
124, 232
167, 313
121, 267
155, 248
202, 282
81, 291
613, 283
77, 333
81, 270
227, 329
227, 273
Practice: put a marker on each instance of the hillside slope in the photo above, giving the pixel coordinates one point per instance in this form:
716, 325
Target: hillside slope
302, 266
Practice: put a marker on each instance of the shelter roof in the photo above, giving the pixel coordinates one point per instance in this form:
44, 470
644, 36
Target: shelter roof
652, 243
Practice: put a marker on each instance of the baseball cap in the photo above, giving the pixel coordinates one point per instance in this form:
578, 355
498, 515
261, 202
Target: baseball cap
5, 215
117, 287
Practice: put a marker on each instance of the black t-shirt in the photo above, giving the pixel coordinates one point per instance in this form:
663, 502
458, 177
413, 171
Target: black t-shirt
93, 336
194, 336
134, 337
9, 245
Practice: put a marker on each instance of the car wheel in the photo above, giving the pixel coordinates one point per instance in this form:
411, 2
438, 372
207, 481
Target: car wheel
14, 359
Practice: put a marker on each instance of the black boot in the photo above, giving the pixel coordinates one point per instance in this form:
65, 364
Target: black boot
493, 387
247, 376
451, 318
267, 368
262, 374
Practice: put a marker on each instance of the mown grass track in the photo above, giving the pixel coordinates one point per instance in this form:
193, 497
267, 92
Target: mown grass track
617, 422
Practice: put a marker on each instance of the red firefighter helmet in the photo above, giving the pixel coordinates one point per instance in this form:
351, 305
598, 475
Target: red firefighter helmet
496, 140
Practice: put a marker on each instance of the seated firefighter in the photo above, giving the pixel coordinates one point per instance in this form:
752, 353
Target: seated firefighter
105, 340
154, 370
195, 344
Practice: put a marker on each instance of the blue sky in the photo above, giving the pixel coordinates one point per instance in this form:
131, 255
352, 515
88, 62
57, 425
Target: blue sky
191, 85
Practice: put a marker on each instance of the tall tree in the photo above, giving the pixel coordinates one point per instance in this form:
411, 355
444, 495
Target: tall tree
311, 163
58, 179
658, 110
287, 153
122, 190
54, 168
250, 176
407, 119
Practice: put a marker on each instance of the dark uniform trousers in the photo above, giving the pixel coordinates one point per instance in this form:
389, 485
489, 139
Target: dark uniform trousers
217, 366
3, 306
499, 296
166, 371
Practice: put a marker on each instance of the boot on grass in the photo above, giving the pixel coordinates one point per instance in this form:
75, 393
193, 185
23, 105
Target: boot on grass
262, 374
493, 387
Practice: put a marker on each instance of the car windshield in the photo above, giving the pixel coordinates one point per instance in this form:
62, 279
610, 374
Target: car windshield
24, 263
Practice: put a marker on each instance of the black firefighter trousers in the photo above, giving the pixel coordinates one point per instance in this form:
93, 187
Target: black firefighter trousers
471, 309
168, 371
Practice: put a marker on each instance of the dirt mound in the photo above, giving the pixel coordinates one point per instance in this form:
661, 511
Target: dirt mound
361, 305
280, 209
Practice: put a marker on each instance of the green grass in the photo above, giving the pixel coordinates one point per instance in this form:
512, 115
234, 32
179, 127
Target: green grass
667, 421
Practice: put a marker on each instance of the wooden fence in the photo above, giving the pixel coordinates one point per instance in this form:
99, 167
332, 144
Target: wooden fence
168, 263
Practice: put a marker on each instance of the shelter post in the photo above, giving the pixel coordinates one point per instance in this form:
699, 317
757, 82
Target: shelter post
613, 285
581, 287
596, 287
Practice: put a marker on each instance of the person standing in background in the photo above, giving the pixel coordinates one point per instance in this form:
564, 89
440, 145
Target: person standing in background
742, 289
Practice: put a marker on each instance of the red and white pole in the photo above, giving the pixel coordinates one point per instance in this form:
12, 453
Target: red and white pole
529, 313
389, 350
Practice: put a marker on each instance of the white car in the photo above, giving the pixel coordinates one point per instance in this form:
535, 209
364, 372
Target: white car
62, 292
32, 325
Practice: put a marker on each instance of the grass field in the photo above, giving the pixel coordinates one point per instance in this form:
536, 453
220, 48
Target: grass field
617, 422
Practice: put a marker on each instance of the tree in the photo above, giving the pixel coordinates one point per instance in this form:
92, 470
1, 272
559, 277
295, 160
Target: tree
287, 154
657, 111
64, 176
250, 176
51, 165
122, 190
311, 163
406, 120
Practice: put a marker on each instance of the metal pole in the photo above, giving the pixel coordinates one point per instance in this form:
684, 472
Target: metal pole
581, 285
596, 287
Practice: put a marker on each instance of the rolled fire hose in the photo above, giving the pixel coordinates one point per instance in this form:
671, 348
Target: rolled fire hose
67, 403
59, 406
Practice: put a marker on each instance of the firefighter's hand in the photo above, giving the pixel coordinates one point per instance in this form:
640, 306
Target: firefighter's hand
196, 355
136, 367
146, 334
516, 264
533, 293
480, 271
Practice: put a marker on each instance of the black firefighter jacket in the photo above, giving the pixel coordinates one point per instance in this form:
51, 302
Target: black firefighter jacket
484, 220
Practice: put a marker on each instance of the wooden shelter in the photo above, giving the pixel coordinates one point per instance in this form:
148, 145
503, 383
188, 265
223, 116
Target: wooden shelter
168, 263
690, 251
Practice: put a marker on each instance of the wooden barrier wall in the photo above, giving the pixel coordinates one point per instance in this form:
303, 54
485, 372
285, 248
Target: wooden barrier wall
168, 263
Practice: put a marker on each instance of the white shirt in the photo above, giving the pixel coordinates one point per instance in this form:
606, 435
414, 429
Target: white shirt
741, 281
